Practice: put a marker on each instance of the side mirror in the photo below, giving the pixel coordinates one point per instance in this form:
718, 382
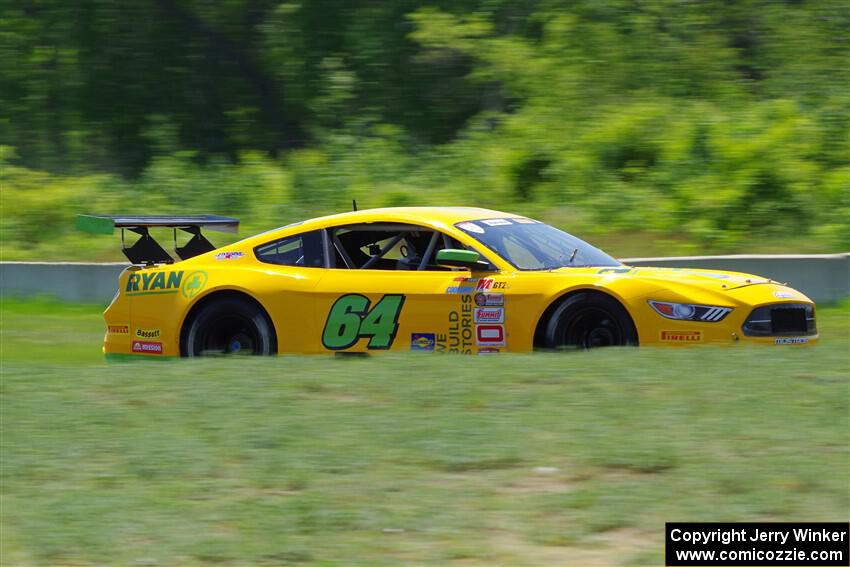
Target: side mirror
457, 258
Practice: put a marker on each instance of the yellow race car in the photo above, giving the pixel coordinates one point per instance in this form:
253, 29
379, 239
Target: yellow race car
423, 279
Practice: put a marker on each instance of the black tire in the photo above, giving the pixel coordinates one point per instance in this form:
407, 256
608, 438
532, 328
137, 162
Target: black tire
228, 326
589, 320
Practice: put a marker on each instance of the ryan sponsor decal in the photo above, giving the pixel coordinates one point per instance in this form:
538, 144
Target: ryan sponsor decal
194, 284
681, 336
161, 283
147, 347
150, 283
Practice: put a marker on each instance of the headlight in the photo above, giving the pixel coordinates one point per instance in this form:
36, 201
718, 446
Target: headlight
688, 312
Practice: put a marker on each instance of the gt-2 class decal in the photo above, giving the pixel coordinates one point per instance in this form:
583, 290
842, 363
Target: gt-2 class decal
351, 319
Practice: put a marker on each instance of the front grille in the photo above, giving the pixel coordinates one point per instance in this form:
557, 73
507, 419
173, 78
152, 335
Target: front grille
781, 320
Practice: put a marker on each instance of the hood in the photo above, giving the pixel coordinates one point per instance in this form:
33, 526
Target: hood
706, 286
712, 279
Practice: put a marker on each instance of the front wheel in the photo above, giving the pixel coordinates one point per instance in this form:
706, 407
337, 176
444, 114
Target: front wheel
228, 326
590, 320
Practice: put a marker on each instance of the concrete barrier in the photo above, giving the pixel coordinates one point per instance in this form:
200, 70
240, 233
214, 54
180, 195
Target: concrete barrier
823, 277
75, 282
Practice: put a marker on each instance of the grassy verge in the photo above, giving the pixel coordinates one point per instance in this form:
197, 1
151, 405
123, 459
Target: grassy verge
420, 460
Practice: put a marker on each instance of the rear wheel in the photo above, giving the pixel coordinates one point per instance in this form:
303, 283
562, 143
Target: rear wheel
228, 326
590, 320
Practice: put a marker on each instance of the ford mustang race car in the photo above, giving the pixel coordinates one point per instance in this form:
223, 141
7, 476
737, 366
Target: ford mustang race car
423, 279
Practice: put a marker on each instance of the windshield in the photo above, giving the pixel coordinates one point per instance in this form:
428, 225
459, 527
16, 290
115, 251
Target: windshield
531, 245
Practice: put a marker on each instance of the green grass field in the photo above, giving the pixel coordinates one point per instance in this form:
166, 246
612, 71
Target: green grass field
545, 459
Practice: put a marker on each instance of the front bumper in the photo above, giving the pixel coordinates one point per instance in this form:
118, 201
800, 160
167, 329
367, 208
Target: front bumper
736, 328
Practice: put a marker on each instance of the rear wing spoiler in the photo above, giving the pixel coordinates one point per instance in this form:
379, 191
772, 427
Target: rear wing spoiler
146, 250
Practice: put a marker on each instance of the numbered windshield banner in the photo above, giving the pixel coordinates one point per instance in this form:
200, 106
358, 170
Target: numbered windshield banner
352, 317
757, 543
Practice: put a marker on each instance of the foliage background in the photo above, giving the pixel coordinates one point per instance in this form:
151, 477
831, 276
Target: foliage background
652, 126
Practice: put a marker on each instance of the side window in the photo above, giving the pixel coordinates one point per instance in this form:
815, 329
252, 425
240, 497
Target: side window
388, 246
306, 250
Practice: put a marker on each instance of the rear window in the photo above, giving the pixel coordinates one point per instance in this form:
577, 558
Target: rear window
305, 250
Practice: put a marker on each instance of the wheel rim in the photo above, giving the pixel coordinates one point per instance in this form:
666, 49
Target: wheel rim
592, 328
230, 335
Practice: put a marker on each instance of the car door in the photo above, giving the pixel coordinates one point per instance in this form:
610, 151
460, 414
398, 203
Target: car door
287, 272
385, 291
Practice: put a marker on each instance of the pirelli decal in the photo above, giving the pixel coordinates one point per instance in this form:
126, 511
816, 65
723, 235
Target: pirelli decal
681, 336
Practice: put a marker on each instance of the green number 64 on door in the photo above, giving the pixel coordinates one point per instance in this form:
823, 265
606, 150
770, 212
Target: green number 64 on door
351, 319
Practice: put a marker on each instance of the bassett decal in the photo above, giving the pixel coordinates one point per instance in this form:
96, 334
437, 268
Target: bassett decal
147, 333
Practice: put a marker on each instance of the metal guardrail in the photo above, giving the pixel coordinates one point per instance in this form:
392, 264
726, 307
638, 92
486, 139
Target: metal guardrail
823, 277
